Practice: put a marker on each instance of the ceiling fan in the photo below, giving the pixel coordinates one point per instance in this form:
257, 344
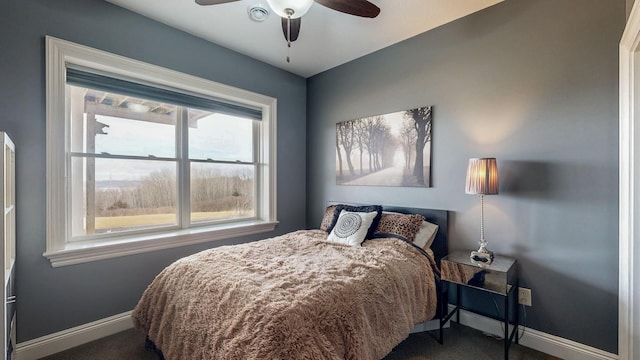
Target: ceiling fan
292, 10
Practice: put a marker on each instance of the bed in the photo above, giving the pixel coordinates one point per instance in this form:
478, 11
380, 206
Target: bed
295, 296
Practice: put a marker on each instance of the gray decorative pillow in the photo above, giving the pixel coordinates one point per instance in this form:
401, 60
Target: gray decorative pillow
425, 236
352, 227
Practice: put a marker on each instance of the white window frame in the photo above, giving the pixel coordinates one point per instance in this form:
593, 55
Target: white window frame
61, 252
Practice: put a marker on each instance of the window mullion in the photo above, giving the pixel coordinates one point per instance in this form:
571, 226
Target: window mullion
257, 171
120, 157
210, 161
184, 173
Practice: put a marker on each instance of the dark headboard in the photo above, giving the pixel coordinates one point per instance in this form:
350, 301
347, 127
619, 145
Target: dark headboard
440, 244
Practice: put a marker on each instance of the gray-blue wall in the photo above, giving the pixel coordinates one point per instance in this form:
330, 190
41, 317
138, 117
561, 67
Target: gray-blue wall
535, 84
49, 299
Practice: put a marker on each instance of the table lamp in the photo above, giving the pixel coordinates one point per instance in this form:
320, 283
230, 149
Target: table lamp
482, 179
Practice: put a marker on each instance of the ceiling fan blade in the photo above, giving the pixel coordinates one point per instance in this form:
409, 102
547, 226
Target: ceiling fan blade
361, 8
295, 28
213, 2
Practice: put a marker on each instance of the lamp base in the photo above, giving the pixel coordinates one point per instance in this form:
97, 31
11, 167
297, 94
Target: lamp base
485, 257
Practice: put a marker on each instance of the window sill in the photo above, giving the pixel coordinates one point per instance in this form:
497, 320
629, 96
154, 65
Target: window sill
82, 252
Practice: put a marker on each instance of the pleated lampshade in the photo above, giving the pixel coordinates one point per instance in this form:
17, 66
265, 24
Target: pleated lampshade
482, 176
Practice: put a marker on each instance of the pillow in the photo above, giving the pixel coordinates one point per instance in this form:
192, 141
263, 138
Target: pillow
327, 218
352, 227
425, 236
403, 226
364, 208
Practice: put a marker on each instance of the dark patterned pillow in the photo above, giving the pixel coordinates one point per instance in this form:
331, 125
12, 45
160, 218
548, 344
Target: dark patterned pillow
327, 218
403, 226
365, 208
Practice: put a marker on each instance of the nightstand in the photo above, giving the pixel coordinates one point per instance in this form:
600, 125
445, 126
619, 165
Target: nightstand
499, 278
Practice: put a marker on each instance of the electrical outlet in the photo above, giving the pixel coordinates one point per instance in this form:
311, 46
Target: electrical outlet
524, 296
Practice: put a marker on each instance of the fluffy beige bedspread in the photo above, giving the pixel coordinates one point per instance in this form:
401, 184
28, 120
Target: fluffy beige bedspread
295, 296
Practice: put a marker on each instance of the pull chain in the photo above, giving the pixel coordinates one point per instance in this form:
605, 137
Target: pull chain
288, 37
289, 13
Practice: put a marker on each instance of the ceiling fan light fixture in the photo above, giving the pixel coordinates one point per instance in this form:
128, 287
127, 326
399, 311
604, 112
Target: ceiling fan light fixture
299, 7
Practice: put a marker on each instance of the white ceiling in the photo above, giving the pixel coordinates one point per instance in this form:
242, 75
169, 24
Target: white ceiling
327, 38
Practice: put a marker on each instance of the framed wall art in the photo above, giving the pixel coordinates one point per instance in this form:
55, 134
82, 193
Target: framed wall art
385, 150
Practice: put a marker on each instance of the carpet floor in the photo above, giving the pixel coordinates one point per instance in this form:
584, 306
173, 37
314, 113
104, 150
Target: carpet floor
461, 343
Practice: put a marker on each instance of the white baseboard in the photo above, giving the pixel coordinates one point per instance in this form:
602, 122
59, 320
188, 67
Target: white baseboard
534, 339
537, 340
66, 339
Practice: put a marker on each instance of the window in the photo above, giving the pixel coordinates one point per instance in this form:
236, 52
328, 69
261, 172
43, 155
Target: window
142, 158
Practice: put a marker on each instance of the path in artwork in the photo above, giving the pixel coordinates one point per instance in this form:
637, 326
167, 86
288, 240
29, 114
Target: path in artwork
392, 176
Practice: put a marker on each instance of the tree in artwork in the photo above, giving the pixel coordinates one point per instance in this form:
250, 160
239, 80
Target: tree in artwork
422, 124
